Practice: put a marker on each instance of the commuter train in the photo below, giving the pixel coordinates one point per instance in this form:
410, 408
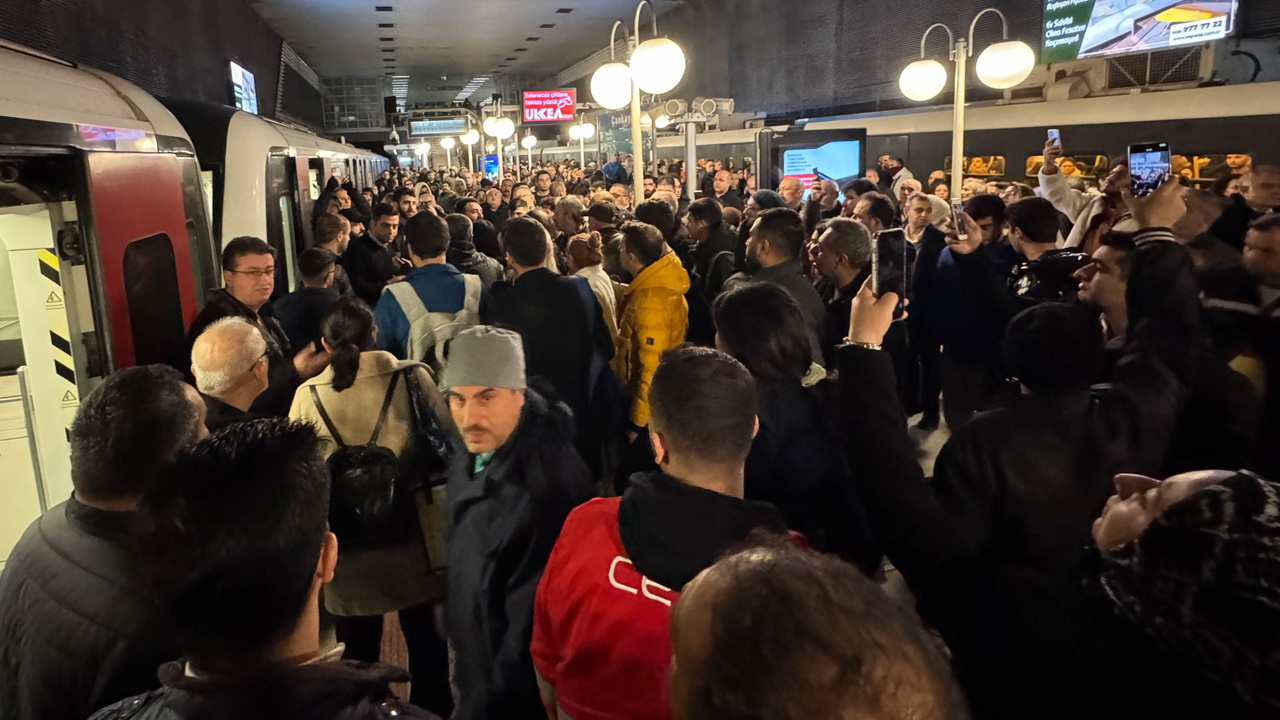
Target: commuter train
112, 215
1006, 140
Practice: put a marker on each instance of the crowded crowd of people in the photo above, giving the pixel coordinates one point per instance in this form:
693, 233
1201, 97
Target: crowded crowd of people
597, 456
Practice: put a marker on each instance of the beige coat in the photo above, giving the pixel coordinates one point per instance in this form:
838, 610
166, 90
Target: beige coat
373, 581
606, 293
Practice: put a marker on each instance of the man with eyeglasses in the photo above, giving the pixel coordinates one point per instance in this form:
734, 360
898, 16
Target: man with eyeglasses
229, 361
248, 276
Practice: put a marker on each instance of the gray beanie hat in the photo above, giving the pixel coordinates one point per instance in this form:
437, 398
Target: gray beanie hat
485, 356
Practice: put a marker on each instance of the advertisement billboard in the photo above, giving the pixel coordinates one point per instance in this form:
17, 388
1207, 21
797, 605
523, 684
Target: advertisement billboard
243, 89
1076, 29
549, 105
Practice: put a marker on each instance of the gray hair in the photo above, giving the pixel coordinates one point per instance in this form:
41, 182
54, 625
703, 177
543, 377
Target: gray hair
576, 209
224, 352
849, 238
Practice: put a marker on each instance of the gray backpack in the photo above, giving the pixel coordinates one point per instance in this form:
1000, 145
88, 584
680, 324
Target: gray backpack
430, 332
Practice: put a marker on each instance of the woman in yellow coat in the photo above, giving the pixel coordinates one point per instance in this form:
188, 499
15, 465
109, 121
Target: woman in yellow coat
653, 315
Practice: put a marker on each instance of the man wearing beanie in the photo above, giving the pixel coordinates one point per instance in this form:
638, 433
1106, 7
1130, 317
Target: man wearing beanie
509, 491
1025, 480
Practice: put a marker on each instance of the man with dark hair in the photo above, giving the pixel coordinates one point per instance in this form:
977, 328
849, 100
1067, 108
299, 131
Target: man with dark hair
1049, 272
713, 246
77, 628
238, 548
370, 260
661, 216
301, 311
541, 186
463, 254
1092, 215
875, 211
406, 203
785, 633
654, 314
773, 256
602, 217
650, 186
671, 184
249, 276
435, 302
844, 258
334, 233
470, 207
560, 328
510, 488
853, 192
600, 640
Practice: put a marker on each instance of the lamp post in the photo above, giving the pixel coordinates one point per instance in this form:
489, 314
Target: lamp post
423, 151
529, 142
656, 66
470, 138
448, 144
499, 128
1001, 66
582, 132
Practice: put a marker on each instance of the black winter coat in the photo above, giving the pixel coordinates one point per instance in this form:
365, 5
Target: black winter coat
370, 266
504, 521
282, 376
300, 312
796, 464
1024, 482
340, 690
77, 631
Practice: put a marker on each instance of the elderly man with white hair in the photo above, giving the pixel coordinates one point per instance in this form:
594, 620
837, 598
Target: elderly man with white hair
229, 362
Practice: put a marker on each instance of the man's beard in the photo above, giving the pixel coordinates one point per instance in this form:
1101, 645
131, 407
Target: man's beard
751, 265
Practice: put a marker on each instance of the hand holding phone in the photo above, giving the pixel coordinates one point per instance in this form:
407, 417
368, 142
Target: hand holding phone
957, 209
1055, 137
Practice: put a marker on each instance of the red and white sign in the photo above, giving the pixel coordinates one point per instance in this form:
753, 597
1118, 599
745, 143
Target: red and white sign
549, 105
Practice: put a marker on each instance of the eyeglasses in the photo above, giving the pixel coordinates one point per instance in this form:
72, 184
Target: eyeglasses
255, 274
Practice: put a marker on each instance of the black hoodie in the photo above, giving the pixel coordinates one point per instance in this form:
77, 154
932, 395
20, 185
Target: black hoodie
673, 531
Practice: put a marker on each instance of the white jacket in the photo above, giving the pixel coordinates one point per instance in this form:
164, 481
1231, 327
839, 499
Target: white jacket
1081, 207
602, 287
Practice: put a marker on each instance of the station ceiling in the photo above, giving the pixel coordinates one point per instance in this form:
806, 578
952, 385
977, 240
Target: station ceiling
443, 45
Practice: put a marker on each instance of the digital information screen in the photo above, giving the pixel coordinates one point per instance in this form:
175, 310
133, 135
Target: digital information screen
549, 105
840, 161
491, 167
446, 126
244, 89
1076, 29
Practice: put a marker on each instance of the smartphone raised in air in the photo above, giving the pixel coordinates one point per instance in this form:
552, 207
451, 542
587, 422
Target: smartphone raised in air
1055, 137
957, 209
1148, 167
889, 266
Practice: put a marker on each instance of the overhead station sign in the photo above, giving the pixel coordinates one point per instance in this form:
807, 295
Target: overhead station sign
1076, 29
549, 105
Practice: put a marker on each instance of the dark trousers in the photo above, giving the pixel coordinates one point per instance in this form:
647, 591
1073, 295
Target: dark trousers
967, 388
428, 652
923, 370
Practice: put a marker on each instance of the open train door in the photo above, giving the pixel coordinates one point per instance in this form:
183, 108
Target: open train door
45, 326
143, 256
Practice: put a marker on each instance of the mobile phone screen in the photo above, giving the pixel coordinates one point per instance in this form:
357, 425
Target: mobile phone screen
1148, 167
889, 266
1056, 137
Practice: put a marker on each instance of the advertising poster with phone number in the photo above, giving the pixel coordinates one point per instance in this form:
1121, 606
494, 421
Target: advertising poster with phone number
1076, 29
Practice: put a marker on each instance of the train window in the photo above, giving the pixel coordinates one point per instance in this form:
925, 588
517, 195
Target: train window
316, 187
206, 186
204, 256
980, 166
1211, 167
153, 302
1082, 166
290, 239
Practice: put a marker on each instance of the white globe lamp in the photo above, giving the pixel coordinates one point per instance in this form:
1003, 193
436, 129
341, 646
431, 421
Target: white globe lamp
528, 142
503, 128
487, 125
657, 66
575, 132
470, 137
448, 143
922, 80
663, 122
1005, 64
588, 131
611, 85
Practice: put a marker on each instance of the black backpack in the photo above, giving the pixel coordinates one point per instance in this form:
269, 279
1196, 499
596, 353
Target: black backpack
370, 505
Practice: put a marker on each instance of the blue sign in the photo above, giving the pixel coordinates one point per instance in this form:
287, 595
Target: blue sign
491, 167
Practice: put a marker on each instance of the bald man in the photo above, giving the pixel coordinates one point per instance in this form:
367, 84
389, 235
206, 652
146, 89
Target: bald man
229, 362
792, 190
725, 194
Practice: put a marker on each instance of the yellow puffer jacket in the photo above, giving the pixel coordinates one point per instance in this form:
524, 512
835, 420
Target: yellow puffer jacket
653, 318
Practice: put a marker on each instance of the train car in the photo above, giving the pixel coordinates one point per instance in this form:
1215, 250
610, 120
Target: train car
263, 177
1005, 141
105, 254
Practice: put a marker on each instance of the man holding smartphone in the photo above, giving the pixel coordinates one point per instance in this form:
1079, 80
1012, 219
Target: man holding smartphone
1092, 215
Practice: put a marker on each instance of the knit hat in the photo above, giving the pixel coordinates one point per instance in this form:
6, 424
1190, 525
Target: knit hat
485, 356
1203, 582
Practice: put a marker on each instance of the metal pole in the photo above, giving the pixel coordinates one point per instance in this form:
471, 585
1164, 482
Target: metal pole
582, 152
637, 145
690, 158
957, 124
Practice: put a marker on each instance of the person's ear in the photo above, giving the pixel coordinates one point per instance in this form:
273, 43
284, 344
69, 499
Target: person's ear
260, 371
661, 452
1128, 484
328, 559
755, 427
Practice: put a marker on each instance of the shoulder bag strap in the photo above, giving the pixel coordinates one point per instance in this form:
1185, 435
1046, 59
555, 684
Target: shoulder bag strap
471, 298
386, 403
407, 297
324, 416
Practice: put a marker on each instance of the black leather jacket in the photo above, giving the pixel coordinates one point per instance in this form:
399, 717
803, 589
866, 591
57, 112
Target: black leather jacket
1048, 278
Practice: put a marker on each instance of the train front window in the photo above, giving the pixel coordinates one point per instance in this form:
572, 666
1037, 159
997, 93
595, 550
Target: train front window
154, 302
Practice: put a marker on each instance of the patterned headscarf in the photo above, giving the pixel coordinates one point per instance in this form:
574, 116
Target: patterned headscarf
1203, 582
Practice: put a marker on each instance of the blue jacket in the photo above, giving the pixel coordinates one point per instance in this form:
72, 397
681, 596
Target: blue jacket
441, 288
